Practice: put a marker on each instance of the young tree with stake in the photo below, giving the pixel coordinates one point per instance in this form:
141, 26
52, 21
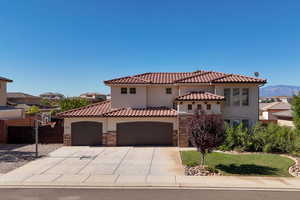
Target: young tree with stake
206, 132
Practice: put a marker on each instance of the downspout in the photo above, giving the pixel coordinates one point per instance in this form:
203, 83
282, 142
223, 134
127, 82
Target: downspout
259, 98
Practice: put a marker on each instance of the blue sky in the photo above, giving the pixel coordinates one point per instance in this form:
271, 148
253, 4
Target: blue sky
71, 46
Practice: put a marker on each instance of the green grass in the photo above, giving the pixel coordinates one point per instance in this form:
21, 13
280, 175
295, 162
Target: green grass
243, 165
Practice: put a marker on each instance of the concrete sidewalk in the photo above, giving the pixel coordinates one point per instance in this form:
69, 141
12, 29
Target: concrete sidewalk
82, 181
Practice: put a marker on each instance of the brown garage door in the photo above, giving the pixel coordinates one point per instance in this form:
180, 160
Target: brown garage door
86, 133
144, 133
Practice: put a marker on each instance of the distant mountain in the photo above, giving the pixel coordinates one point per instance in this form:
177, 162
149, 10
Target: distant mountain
279, 90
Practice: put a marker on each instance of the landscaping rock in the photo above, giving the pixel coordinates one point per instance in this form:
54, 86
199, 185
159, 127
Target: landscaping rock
295, 170
200, 171
13, 156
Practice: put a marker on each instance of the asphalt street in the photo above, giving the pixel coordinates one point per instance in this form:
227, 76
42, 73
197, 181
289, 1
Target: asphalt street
142, 194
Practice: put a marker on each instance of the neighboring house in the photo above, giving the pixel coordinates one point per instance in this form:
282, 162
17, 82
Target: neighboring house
285, 118
3, 93
22, 98
52, 96
156, 108
25, 101
284, 99
6, 112
267, 110
93, 97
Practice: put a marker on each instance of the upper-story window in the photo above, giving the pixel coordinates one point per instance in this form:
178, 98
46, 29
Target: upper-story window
190, 107
168, 90
208, 106
227, 95
245, 97
132, 90
236, 97
199, 107
123, 90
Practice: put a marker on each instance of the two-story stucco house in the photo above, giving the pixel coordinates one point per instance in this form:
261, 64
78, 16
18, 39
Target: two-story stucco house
155, 108
6, 112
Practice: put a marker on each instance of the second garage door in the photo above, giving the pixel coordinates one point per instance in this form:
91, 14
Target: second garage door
145, 133
86, 133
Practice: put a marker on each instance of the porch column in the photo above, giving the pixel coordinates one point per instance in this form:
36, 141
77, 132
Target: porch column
184, 120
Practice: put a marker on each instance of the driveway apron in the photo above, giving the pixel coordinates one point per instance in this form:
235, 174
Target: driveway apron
88, 163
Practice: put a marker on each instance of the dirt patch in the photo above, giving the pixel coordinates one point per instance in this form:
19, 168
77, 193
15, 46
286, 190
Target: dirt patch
13, 156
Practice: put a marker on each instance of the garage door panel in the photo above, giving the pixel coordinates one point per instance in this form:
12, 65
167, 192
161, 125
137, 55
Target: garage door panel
86, 133
145, 133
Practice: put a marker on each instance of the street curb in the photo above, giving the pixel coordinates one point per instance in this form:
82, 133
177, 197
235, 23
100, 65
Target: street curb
146, 187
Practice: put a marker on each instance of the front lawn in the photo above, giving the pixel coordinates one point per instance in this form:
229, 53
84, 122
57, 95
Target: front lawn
243, 165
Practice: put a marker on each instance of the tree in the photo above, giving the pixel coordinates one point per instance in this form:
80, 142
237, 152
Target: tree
207, 132
47, 102
296, 111
72, 103
33, 110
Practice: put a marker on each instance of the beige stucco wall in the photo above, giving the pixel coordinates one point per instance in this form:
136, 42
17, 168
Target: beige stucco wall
138, 100
156, 96
3, 99
250, 112
184, 89
153, 96
110, 124
265, 115
283, 122
215, 108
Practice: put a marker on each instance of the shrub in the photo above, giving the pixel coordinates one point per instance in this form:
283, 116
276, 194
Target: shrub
33, 110
72, 103
296, 110
260, 138
212, 169
237, 138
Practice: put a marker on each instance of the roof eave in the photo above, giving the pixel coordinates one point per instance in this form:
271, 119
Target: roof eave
125, 84
200, 100
6, 80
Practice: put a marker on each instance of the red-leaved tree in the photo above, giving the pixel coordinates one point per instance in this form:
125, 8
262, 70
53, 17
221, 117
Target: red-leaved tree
207, 132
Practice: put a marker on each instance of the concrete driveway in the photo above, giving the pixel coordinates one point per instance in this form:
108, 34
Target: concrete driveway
125, 161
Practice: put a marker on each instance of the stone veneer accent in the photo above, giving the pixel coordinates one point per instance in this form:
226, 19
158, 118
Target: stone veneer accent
67, 140
183, 133
175, 138
110, 138
3, 132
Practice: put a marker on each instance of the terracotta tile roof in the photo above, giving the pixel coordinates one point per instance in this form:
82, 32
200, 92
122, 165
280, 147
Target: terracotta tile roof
235, 78
143, 112
286, 113
185, 77
92, 110
103, 109
200, 96
275, 106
